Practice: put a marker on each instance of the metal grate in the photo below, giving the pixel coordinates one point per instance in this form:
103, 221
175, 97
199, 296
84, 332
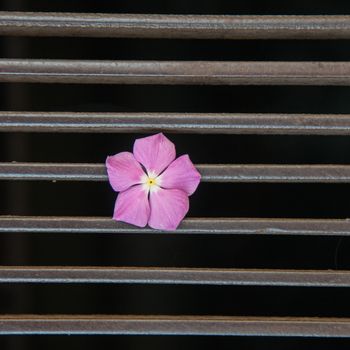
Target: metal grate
176, 72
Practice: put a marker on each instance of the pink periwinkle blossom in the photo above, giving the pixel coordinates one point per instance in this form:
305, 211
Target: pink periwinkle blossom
154, 186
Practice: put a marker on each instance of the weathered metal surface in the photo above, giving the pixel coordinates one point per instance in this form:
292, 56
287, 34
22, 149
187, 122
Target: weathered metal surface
175, 325
201, 123
174, 26
209, 172
173, 276
232, 226
174, 72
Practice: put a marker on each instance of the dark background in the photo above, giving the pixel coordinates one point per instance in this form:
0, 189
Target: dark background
213, 200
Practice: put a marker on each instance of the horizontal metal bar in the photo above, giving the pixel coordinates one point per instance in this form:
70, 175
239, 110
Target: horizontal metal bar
206, 123
174, 26
193, 276
209, 172
175, 72
174, 325
231, 226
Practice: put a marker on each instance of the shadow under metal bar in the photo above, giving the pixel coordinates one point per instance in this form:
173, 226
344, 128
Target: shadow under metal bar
209, 172
174, 72
191, 276
174, 325
174, 26
201, 123
232, 226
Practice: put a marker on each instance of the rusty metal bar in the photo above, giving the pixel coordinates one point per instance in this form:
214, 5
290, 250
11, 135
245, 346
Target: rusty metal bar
174, 325
209, 172
174, 26
174, 72
193, 276
206, 123
231, 226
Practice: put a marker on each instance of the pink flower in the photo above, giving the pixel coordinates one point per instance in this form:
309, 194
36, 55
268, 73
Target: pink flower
158, 195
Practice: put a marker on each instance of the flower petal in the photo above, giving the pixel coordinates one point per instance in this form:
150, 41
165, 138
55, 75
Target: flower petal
155, 153
123, 171
132, 206
181, 174
168, 208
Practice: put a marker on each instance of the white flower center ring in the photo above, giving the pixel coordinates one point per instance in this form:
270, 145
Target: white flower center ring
151, 182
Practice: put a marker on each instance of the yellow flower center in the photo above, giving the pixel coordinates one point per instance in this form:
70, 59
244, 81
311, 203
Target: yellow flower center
151, 181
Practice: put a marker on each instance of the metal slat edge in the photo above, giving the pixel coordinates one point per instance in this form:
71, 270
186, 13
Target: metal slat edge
174, 325
173, 276
232, 226
174, 72
201, 123
210, 172
174, 26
